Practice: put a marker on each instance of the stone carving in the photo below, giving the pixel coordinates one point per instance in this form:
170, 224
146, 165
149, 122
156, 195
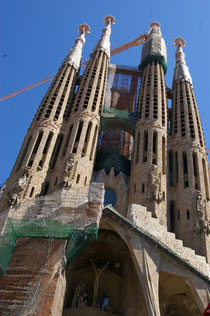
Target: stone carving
202, 226
201, 206
80, 296
98, 272
14, 198
155, 193
68, 172
22, 181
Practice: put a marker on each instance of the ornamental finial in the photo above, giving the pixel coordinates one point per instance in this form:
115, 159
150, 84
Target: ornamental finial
179, 42
155, 24
109, 19
84, 28
181, 71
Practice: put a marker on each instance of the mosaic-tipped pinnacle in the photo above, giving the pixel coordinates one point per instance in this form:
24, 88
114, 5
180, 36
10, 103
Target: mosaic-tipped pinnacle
84, 28
109, 19
179, 41
155, 23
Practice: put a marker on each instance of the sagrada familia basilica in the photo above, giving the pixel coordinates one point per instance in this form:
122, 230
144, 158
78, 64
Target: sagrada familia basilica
106, 211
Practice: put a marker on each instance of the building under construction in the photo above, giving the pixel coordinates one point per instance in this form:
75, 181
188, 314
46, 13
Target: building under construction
106, 211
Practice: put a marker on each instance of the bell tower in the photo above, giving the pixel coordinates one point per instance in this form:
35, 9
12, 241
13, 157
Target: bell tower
148, 170
188, 162
75, 159
35, 157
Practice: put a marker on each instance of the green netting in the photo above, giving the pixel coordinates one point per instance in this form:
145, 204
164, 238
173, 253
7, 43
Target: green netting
154, 57
79, 241
112, 118
78, 237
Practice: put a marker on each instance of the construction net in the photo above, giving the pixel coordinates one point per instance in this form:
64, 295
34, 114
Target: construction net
62, 214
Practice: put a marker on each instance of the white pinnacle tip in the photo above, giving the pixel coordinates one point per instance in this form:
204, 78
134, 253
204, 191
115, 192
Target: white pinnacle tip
109, 19
154, 24
84, 28
179, 42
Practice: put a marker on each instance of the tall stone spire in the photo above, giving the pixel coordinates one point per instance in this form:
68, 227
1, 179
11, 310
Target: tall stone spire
188, 176
75, 54
104, 42
181, 70
76, 156
35, 157
148, 171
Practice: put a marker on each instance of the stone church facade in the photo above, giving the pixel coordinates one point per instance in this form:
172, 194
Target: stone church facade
106, 211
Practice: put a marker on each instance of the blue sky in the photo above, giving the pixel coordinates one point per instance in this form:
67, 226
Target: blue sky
36, 36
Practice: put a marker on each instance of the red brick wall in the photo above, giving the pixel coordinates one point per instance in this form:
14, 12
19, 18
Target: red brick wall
33, 278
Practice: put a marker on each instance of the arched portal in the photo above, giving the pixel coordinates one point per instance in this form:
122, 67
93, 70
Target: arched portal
103, 279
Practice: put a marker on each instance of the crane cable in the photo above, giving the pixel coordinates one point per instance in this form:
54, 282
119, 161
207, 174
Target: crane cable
138, 41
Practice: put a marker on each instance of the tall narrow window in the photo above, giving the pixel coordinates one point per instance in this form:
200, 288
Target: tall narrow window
79, 131
24, 153
87, 138
163, 155
172, 219
185, 169
36, 146
145, 146
45, 150
56, 151
196, 173
94, 142
78, 178
188, 214
155, 137
45, 188
67, 141
205, 179
176, 168
137, 147
32, 192
170, 167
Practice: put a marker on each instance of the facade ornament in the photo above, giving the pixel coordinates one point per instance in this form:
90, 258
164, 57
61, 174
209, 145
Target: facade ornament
80, 296
104, 42
181, 70
98, 271
15, 197
201, 206
202, 226
68, 172
21, 183
75, 54
155, 193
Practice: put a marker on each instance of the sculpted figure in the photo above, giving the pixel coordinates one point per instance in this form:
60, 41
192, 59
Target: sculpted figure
98, 272
21, 183
198, 226
70, 165
200, 206
155, 193
68, 172
202, 226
